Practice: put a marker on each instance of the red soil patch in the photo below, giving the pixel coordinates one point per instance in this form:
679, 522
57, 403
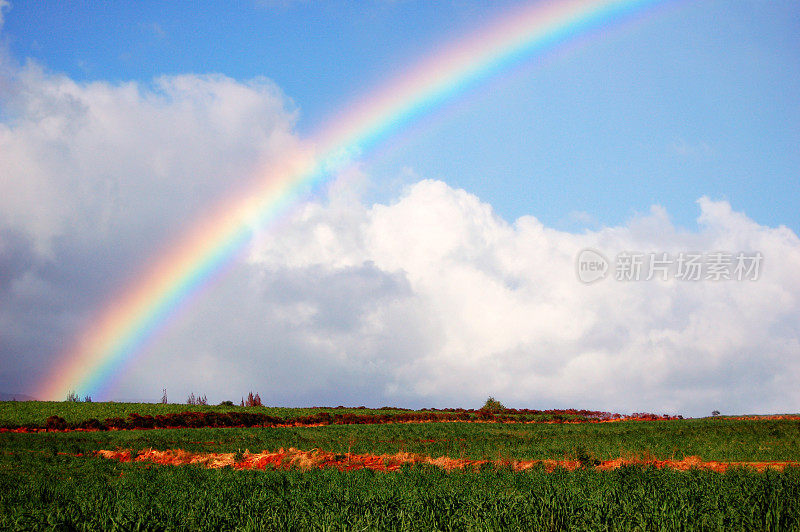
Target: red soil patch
304, 460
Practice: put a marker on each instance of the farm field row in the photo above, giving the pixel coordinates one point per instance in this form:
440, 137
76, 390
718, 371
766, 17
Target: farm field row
35, 414
710, 439
19, 413
288, 459
53, 491
440, 476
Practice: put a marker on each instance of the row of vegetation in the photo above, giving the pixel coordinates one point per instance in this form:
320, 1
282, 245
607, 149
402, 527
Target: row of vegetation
53, 480
710, 439
76, 414
48, 490
259, 419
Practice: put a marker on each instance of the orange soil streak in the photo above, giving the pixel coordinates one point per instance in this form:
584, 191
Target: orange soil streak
304, 460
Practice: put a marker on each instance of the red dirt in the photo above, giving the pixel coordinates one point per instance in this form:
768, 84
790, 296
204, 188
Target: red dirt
304, 460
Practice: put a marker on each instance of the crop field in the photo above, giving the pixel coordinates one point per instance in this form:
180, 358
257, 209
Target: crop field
355, 469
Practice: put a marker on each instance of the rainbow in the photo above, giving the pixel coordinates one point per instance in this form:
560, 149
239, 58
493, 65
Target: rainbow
134, 317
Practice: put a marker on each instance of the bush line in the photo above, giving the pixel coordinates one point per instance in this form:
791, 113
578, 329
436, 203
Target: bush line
256, 419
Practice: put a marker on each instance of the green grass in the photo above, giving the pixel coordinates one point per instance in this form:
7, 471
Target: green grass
42, 489
13, 414
36, 412
711, 439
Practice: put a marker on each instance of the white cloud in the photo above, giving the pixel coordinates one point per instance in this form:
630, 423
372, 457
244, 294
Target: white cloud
506, 315
98, 158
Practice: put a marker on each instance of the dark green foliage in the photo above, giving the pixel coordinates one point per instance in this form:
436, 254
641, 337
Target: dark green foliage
56, 423
586, 458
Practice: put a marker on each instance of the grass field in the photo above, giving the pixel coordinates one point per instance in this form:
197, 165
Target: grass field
54, 480
23, 412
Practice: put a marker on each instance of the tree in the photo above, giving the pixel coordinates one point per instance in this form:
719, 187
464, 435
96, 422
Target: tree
252, 400
493, 405
199, 400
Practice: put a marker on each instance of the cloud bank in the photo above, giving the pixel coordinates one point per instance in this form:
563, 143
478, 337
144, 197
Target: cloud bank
428, 300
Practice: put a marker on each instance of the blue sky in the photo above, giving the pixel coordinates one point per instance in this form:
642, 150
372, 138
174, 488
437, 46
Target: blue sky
444, 269
697, 98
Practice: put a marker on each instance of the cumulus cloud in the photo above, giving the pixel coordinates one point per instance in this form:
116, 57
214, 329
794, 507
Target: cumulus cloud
495, 308
99, 158
433, 300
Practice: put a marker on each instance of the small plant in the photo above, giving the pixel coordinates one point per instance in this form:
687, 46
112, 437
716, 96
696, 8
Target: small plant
585, 458
72, 397
493, 405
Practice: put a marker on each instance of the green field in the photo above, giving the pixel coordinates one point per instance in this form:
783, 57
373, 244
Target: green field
41, 488
24, 412
35, 413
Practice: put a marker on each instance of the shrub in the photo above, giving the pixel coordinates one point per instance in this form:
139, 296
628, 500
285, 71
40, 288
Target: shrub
56, 422
226, 403
493, 405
